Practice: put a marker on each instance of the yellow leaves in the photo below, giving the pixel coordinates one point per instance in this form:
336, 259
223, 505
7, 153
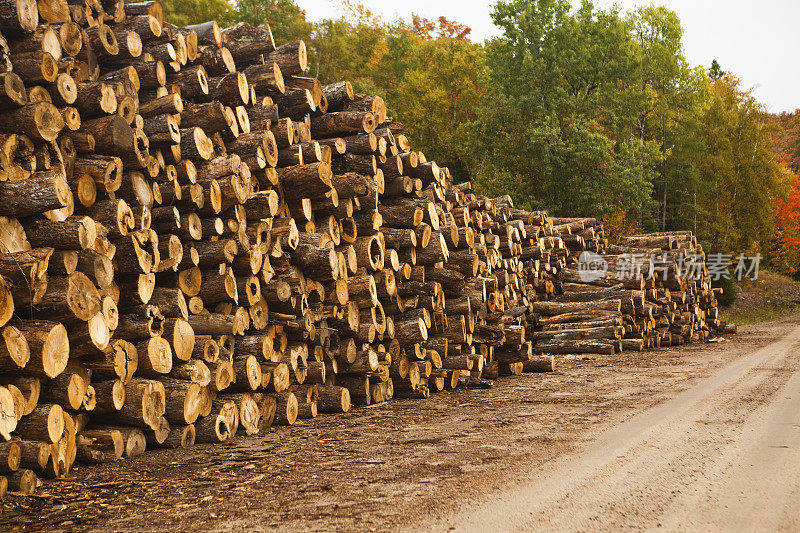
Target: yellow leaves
378, 53
619, 224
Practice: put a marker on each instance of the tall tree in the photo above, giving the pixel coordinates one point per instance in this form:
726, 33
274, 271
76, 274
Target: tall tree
715, 72
674, 96
285, 18
439, 94
558, 124
740, 172
786, 252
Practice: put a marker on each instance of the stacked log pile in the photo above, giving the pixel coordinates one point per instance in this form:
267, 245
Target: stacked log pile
198, 241
580, 234
652, 290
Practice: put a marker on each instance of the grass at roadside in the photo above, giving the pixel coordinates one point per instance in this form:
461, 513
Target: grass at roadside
770, 297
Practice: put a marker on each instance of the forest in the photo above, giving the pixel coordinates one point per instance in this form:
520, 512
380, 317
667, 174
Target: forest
578, 111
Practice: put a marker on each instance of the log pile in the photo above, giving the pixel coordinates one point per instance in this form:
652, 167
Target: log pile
197, 241
652, 290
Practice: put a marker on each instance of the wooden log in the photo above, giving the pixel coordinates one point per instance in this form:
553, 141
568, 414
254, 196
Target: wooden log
557, 308
544, 363
23, 481
19, 17
155, 356
249, 411
38, 67
144, 404
44, 191
110, 395
305, 181
333, 399
8, 419
67, 389
34, 455
290, 57
44, 423
119, 360
49, 346
342, 123
184, 400
12, 91
286, 408
10, 456
133, 438
576, 346
215, 427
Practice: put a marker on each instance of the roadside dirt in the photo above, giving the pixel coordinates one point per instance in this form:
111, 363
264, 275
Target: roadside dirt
723, 455
407, 464
769, 297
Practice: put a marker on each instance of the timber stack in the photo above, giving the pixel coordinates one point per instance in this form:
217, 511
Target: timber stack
197, 241
647, 291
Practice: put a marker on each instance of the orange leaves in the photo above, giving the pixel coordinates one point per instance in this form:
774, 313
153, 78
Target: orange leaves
787, 214
441, 28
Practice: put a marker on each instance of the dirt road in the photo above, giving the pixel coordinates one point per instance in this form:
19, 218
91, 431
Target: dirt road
701, 437
723, 455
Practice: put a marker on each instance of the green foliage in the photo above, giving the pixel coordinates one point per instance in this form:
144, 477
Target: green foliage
592, 112
729, 291
438, 95
185, 12
715, 72
561, 110
739, 170
285, 18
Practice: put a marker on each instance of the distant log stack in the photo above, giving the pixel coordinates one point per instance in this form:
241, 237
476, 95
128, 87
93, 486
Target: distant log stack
197, 240
652, 290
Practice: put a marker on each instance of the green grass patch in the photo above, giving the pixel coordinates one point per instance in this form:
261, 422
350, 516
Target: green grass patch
755, 316
771, 297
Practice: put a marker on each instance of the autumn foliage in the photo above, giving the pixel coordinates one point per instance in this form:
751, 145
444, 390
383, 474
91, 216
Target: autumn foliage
786, 255
787, 213
441, 28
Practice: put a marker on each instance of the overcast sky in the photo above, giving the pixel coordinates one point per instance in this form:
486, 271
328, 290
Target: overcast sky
758, 40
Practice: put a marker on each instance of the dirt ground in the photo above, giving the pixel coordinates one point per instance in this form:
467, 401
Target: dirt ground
400, 465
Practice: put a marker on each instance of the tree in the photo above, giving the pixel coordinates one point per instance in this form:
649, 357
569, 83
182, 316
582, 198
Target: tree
441, 28
427, 71
675, 94
787, 139
285, 18
185, 12
437, 96
560, 105
786, 253
740, 174
715, 72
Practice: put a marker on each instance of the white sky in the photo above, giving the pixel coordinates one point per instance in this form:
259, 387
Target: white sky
759, 41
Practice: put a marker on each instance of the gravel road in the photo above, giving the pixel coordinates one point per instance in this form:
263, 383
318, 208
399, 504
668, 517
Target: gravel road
723, 455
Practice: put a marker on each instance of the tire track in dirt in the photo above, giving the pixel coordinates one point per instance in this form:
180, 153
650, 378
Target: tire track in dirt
722, 455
